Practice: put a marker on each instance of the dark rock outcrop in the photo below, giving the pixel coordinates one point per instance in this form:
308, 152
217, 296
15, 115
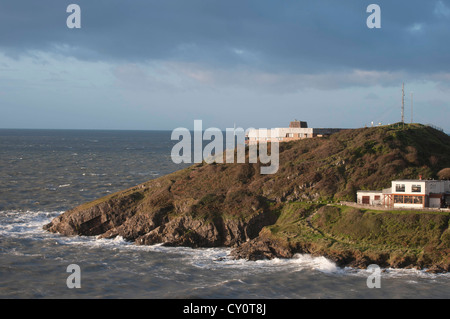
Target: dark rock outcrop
262, 248
97, 219
118, 217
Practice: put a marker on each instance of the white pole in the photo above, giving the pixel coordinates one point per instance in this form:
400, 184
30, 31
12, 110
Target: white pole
403, 103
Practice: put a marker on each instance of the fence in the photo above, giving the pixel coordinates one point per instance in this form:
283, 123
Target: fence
380, 207
435, 127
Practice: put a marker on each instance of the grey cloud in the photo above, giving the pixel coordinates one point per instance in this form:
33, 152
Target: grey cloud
271, 36
372, 96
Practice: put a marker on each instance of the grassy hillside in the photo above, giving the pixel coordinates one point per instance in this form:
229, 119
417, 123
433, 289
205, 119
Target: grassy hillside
369, 158
359, 237
331, 168
229, 204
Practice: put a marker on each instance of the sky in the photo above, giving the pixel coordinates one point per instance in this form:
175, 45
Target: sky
161, 64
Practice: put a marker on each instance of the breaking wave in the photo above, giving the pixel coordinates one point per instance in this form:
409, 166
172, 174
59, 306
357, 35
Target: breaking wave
29, 225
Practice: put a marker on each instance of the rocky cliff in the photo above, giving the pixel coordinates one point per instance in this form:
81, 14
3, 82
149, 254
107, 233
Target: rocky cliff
160, 211
233, 205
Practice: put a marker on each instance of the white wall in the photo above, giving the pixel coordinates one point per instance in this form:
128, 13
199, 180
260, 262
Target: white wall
372, 195
278, 132
400, 205
408, 187
282, 132
258, 133
427, 186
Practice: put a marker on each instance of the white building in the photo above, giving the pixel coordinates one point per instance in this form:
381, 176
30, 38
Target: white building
409, 193
296, 130
374, 198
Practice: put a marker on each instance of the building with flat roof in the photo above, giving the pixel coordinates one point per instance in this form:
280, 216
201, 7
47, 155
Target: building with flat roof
409, 193
297, 130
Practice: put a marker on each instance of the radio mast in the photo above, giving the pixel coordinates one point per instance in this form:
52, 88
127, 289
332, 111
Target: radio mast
403, 103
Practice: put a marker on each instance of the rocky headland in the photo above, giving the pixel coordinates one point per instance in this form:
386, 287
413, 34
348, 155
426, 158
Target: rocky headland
296, 210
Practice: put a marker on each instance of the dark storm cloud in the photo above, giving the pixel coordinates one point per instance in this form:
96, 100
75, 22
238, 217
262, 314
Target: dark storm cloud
285, 36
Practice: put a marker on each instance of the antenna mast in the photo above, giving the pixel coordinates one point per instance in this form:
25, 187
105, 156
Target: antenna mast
403, 103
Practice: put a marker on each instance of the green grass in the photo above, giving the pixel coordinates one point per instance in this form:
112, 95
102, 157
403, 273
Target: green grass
400, 234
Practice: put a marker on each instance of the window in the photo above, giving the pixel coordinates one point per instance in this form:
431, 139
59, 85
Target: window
408, 199
377, 197
416, 188
398, 199
400, 187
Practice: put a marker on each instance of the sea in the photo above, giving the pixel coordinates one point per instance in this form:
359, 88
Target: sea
46, 172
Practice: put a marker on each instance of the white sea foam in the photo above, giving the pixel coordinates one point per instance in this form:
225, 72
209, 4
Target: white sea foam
321, 264
29, 224
24, 224
216, 258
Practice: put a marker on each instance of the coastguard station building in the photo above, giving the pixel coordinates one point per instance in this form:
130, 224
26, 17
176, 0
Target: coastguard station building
297, 130
409, 193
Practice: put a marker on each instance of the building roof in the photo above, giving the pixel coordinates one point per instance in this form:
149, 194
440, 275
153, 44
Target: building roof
365, 191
